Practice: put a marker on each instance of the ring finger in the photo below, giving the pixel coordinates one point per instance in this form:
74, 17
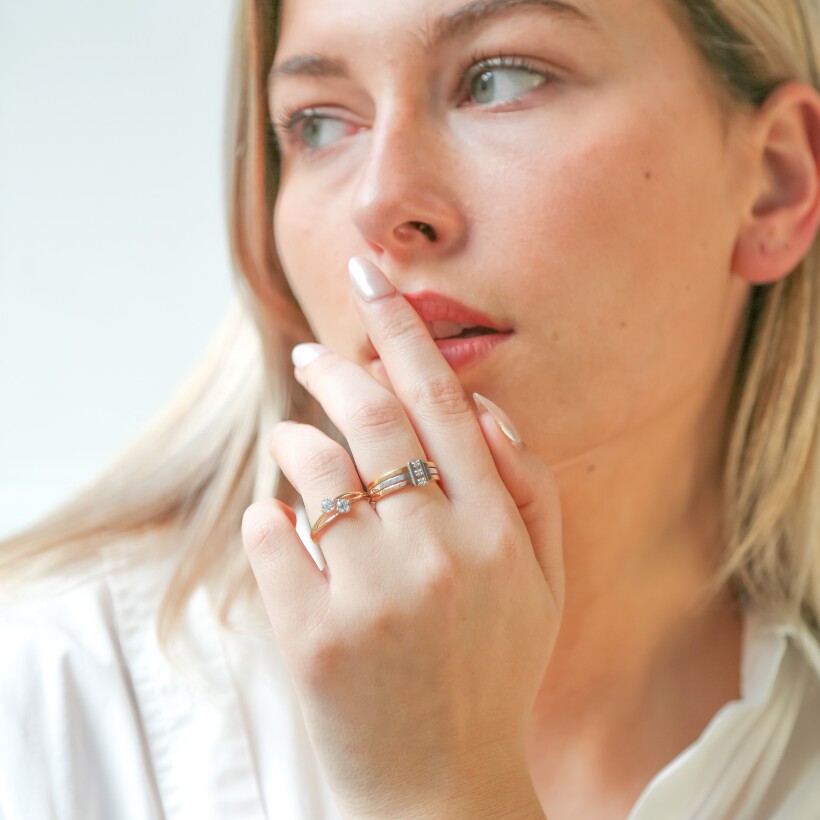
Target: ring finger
321, 471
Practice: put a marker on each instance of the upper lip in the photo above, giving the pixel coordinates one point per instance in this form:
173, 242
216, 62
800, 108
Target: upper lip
433, 307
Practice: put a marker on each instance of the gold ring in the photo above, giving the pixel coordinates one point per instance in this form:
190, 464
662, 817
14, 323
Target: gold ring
332, 508
414, 474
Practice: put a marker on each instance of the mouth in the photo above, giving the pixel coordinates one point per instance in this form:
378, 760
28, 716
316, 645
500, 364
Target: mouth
447, 318
454, 330
463, 334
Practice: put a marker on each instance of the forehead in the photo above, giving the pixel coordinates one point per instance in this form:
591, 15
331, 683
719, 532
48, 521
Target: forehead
423, 23
326, 38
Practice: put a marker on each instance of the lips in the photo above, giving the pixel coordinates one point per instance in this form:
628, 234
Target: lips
464, 336
448, 319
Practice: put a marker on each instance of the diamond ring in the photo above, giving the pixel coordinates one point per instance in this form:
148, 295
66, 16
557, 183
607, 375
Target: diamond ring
332, 508
414, 474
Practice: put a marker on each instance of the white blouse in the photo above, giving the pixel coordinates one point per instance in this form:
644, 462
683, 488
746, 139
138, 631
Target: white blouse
96, 724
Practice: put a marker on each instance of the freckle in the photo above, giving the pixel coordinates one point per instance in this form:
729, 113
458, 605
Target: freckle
590, 468
623, 324
647, 175
555, 335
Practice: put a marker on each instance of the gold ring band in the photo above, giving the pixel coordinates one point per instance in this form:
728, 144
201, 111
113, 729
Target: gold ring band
414, 474
333, 508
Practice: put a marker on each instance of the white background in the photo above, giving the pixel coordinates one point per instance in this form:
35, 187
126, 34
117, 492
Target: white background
114, 262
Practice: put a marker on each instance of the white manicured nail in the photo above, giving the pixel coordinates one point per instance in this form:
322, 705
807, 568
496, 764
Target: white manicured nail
501, 419
370, 283
302, 355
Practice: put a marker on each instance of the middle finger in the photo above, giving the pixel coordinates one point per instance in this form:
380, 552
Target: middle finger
370, 417
426, 384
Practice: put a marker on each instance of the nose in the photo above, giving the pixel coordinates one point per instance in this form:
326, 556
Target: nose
404, 204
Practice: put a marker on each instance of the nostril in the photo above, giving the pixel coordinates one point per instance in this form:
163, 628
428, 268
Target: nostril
406, 232
426, 229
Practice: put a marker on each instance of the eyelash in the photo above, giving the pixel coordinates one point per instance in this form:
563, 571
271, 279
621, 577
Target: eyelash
480, 62
289, 119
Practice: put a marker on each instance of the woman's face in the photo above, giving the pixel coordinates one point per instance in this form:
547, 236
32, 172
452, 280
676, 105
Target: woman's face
577, 176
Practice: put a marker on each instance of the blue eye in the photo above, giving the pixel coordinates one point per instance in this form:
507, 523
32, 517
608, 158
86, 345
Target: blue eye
500, 80
310, 129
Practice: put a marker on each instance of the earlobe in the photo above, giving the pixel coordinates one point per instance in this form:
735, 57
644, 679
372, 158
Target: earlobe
782, 218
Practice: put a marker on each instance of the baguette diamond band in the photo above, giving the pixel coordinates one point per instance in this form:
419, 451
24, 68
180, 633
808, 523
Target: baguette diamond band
414, 474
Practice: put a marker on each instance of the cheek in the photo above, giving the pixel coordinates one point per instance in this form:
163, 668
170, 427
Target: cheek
313, 246
623, 235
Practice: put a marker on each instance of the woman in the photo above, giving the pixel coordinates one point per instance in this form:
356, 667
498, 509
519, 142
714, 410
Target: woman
603, 601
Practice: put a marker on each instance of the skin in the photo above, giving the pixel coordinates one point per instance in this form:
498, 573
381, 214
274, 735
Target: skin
616, 221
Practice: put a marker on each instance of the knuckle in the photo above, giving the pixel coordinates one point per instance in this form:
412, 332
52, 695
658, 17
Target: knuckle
508, 549
399, 324
437, 589
256, 528
380, 416
505, 551
442, 394
260, 528
440, 576
324, 466
323, 659
387, 622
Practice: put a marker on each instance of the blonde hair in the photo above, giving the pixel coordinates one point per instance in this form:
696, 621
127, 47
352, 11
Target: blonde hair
190, 474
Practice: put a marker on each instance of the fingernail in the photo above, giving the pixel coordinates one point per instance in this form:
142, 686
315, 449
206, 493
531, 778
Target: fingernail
302, 355
370, 283
501, 419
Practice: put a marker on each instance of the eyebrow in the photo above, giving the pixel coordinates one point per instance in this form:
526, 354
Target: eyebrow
474, 14
443, 29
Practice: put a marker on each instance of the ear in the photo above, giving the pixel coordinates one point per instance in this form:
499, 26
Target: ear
783, 214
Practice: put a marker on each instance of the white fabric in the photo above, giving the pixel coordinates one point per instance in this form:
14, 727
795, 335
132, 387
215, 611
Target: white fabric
95, 723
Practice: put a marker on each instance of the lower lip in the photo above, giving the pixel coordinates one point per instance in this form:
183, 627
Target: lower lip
461, 353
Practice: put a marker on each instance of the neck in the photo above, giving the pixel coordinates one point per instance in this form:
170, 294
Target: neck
633, 678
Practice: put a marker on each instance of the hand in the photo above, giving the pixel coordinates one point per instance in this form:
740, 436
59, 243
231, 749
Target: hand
417, 656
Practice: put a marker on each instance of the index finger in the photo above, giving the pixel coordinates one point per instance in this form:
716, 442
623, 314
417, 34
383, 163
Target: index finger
424, 382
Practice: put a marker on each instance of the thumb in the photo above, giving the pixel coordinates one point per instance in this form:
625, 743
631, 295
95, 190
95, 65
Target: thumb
533, 488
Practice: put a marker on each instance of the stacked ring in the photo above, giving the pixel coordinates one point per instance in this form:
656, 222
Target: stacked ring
332, 508
414, 474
